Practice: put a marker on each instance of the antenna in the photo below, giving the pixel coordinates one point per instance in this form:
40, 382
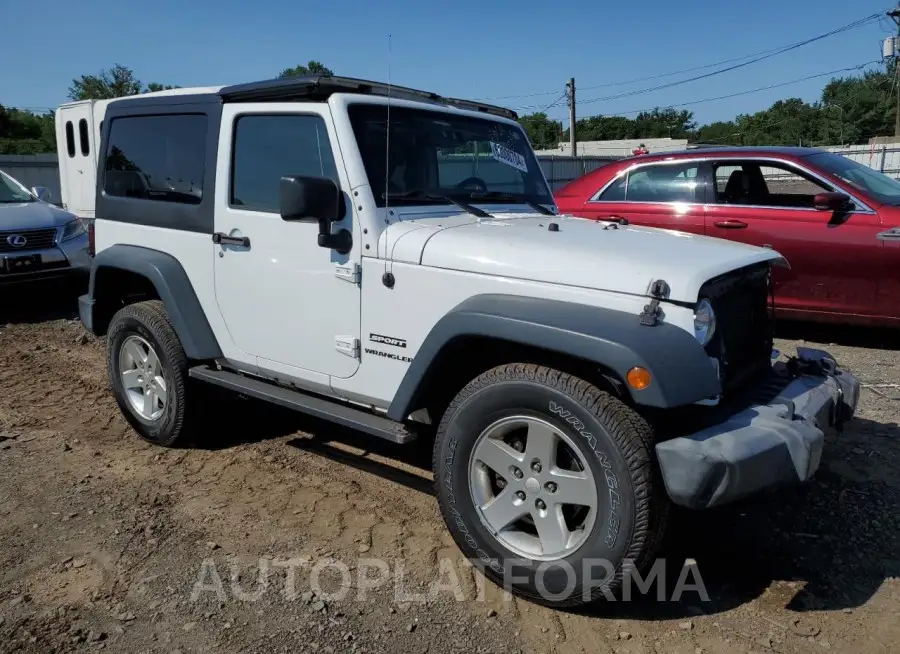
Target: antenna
388, 277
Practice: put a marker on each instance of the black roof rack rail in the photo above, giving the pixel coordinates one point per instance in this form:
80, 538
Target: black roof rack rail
322, 86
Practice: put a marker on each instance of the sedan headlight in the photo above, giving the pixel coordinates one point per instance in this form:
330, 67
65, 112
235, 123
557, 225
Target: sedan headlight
73, 229
704, 322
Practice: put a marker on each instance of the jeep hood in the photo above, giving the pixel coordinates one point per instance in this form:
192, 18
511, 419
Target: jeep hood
585, 253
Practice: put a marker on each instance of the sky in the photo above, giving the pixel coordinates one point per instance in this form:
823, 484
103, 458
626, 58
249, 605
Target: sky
517, 54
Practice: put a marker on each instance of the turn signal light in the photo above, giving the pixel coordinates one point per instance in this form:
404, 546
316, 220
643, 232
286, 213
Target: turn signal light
638, 378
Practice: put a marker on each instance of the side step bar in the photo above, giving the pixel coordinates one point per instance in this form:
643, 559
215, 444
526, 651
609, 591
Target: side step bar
318, 407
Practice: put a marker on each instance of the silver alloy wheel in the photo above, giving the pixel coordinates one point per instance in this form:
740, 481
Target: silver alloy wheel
527, 493
142, 378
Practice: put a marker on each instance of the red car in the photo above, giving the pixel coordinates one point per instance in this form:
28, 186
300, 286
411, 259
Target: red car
837, 222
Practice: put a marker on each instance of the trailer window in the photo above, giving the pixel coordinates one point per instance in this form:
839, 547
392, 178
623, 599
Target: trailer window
160, 158
70, 139
83, 137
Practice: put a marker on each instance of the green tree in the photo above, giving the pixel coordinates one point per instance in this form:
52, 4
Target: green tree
155, 86
26, 132
664, 123
114, 82
543, 133
311, 68
723, 132
855, 109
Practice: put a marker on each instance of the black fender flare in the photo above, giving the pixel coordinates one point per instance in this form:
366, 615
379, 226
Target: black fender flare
681, 369
174, 288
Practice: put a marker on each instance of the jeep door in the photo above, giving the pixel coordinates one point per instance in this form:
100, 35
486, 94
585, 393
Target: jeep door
289, 304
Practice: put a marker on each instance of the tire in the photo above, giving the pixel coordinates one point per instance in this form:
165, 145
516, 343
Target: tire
614, 449
147, 323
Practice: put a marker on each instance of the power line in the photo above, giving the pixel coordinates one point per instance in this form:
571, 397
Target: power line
34, 110
754, 57
749, 91
707, 75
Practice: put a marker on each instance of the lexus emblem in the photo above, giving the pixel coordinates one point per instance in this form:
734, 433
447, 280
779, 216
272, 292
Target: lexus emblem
16, 240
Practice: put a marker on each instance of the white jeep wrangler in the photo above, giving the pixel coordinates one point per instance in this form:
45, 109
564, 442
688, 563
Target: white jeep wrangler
391, 260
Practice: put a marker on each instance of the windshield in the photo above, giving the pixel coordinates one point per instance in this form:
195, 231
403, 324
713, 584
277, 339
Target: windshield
438, 153
11, 192
868, 180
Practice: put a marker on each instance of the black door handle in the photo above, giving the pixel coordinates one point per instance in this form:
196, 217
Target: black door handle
224, 239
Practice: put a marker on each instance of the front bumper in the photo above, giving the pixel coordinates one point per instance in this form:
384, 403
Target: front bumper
762, 446
64, 259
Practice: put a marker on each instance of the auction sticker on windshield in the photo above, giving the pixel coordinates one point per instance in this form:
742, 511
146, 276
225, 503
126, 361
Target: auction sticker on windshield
509, 157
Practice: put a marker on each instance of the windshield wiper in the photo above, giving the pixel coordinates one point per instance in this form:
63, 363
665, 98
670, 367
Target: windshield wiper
511, 197
426, 195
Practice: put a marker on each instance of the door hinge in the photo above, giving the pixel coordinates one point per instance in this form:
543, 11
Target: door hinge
348, 345
349, 272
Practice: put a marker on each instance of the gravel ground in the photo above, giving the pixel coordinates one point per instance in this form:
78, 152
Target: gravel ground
109, 543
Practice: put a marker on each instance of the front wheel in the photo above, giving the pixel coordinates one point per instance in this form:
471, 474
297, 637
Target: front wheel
548, 484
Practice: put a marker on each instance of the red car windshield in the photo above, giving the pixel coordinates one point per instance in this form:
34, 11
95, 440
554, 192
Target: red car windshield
868, 180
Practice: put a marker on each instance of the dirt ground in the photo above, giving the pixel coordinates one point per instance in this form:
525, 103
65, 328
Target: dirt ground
109, 543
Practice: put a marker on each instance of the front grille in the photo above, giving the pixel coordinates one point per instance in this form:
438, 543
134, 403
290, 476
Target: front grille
743, 338
35, 239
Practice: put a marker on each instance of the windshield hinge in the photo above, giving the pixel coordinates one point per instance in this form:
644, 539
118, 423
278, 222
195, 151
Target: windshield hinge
659, 290
348, 345
349, 272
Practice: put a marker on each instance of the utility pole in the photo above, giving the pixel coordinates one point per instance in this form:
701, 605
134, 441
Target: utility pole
573, 143
894, 14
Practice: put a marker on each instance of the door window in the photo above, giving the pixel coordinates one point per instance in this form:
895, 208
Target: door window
161, 158
70, 138
266, 148
765, 184
83, 137
662, 183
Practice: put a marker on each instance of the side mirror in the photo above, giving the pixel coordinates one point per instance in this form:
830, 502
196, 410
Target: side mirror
831, 201
307, 199
42, 193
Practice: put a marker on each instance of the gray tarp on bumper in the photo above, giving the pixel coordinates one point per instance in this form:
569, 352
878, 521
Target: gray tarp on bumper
763, 446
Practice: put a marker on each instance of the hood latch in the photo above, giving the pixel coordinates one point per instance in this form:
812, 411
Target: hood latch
659, 290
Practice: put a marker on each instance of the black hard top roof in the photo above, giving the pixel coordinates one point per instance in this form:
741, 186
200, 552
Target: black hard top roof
322, 86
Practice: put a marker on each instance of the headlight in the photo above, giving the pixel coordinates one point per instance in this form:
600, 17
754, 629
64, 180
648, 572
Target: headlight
73, 229
704, 322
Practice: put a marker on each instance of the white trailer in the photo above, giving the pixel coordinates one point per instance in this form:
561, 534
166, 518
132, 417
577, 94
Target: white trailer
78, 127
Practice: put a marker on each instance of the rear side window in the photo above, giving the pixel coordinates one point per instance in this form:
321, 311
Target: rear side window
70, 138
161, 158
83, 137
615, 192
268, 147
662, 183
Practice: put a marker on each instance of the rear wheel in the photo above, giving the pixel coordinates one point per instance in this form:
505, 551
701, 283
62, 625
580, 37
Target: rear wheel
548, 484
148, 372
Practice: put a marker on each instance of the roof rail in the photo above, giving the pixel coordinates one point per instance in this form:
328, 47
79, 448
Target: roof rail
692, 146
322, 86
